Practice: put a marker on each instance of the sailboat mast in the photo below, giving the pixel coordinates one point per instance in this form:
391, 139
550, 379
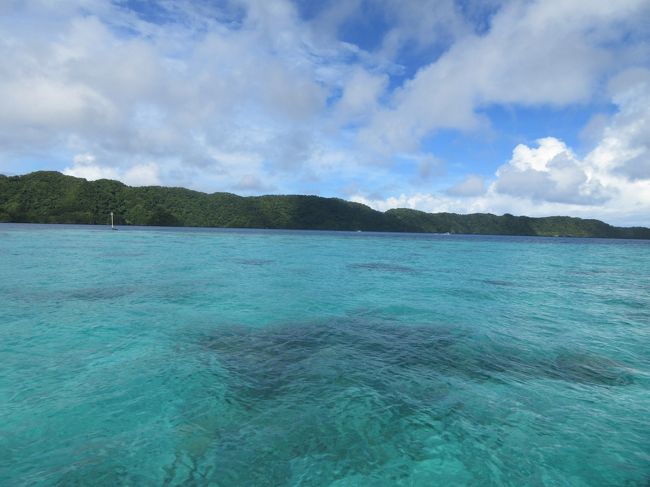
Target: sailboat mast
112, 220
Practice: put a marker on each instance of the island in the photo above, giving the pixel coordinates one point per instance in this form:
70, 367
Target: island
52, 197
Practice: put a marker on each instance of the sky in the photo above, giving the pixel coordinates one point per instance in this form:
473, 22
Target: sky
524, 107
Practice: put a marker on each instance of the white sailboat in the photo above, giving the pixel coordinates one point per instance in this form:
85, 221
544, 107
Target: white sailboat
112, 226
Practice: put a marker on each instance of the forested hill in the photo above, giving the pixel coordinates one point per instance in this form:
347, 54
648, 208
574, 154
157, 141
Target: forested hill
51, 197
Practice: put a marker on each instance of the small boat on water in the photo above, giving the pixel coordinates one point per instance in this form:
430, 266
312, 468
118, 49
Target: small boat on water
112, 226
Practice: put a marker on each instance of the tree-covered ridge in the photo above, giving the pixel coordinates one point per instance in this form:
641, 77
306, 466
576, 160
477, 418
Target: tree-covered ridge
488, 224
51, 197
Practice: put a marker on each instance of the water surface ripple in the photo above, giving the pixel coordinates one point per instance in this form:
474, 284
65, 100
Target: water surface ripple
185, 357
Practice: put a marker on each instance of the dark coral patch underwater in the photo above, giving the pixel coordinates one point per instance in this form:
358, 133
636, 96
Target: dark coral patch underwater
368, 351
361, 397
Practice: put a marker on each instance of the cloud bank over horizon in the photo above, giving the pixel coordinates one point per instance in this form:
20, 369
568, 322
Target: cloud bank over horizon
525, 107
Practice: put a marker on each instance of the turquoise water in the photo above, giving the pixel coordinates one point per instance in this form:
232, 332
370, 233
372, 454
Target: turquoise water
269, 358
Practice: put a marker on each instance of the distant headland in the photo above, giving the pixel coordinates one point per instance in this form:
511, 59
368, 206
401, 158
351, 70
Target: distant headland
51, 197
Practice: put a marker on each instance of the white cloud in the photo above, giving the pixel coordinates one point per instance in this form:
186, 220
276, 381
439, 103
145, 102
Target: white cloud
550, 172
471, 185
360, 97
625, 147
417, 201
422, 24
536, 53
142, 175
247, 94
610, 182
86, 166
173, 93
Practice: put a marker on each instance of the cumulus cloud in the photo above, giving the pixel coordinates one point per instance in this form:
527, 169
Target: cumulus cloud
536, 53
172, 92
142, 175
361, 92
548, 178
626, 140
422, 25
86, 166
471, 185
417, 201
251, 95
550, 172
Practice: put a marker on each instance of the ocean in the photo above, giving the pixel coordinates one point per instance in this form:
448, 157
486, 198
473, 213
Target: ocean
209, 357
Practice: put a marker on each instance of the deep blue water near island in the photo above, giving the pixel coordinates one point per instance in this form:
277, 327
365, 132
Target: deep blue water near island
279, 358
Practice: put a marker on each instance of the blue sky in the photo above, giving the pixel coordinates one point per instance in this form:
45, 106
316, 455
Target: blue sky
525, 107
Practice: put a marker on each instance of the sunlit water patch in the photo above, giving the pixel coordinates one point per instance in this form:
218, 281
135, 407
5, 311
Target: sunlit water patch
203, 357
